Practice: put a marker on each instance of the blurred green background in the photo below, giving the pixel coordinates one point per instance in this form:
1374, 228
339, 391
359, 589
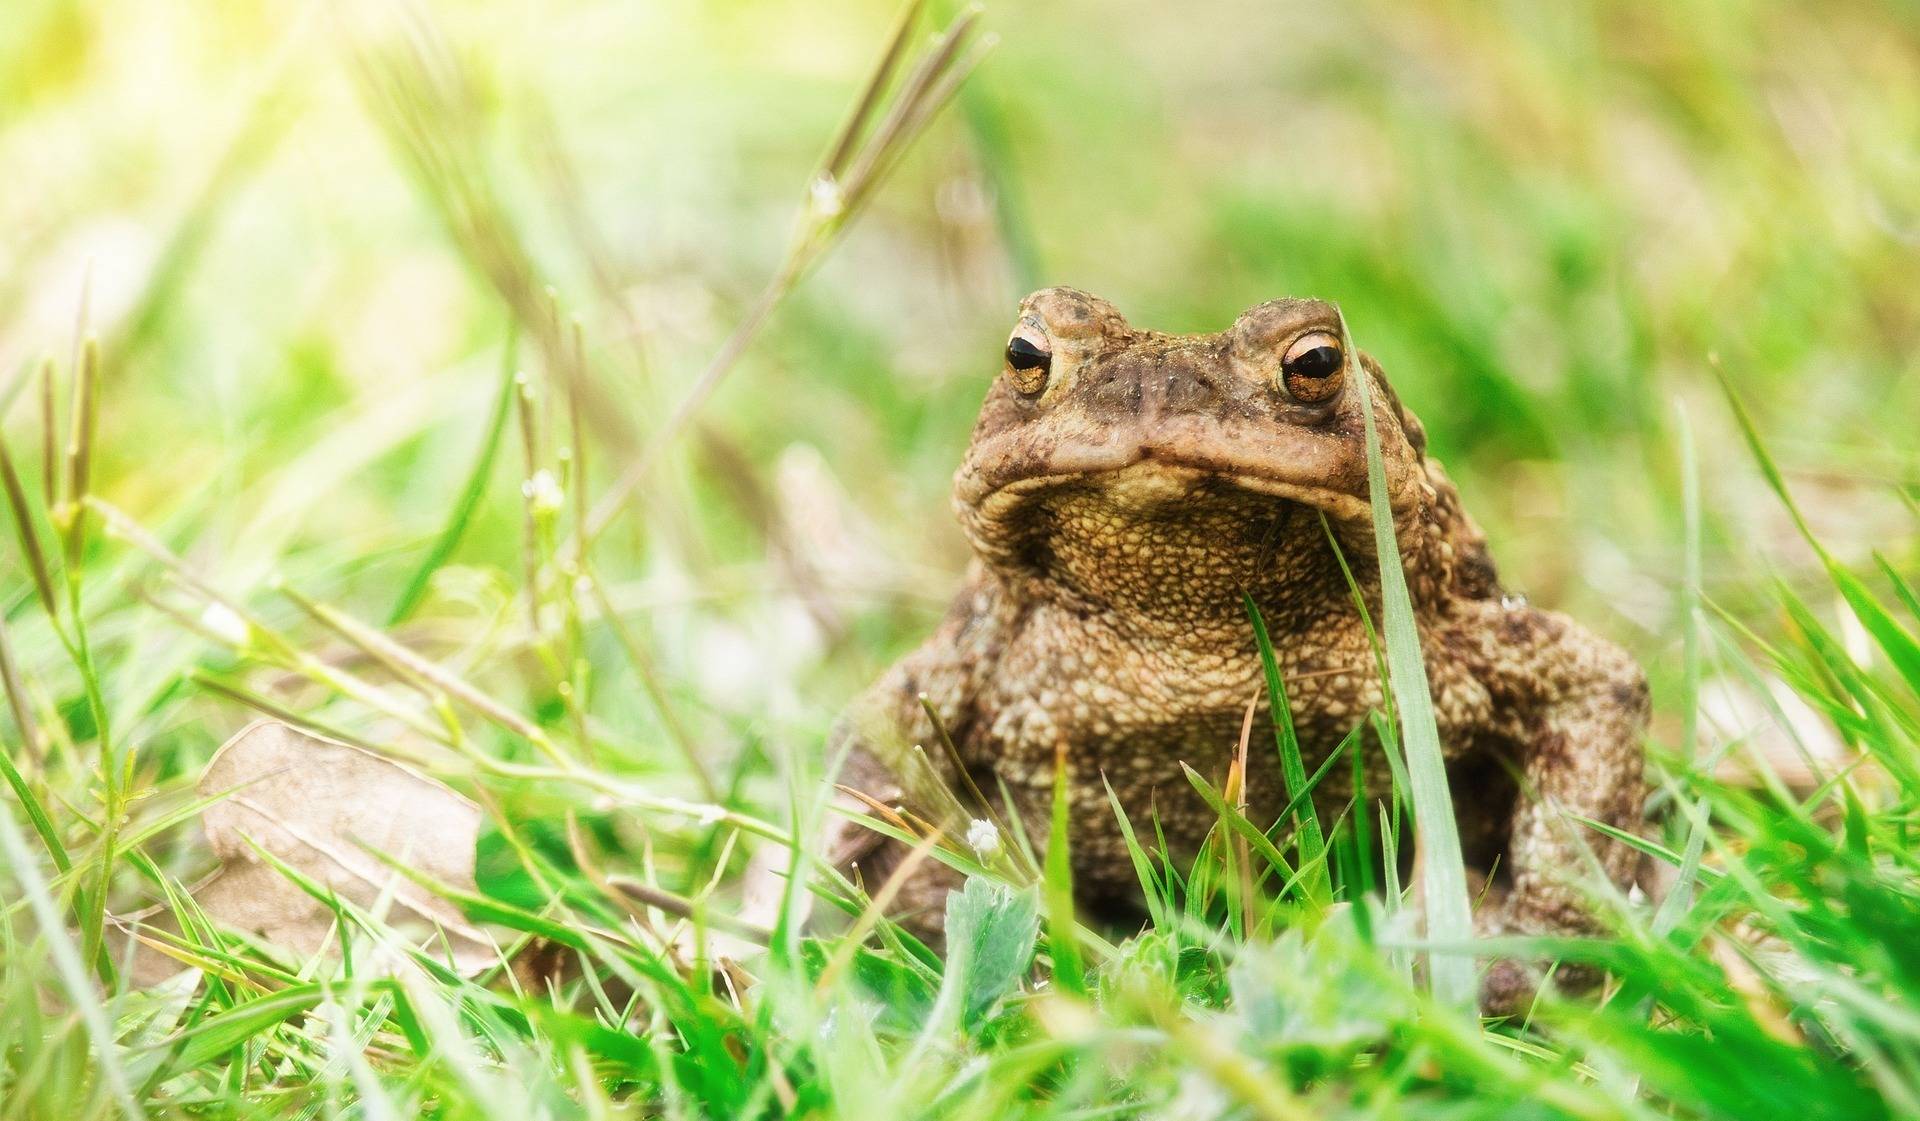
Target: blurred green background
1546, 220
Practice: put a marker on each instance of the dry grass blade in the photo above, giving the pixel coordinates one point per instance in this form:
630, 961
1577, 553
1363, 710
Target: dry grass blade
425, 671
951, 751
681, 907
1236, 793
831, 205
28, 536
427, 99
17, 702
842, 147
880, 809
273, 645
649, 675
49, 435
79, 460
909, 109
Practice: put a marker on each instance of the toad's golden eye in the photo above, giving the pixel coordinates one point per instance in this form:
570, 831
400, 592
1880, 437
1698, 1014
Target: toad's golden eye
1028, 361
1313, 367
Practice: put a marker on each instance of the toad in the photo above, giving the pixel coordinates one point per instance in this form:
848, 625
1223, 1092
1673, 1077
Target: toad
1124, 491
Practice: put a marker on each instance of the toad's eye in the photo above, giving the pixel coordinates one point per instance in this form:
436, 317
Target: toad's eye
1028, 361
1313, 366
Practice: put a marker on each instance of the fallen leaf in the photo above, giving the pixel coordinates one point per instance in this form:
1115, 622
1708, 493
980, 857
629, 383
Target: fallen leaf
331, 811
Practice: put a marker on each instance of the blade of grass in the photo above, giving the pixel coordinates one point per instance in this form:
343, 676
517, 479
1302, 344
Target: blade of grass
36, 814
28, 535
1901, 587
85, 422
841, 150
68, 963
835, 197
1680, 895
1444, 886
1898, 643
18, 702
221, 1033
49, 435
1312, 843
471, 494
1150, 885
1068, 971
1237, 822
1362, 883
70, 522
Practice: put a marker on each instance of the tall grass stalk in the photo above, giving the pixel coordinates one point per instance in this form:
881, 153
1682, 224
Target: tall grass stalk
1443, 887
1680, 894
868, 146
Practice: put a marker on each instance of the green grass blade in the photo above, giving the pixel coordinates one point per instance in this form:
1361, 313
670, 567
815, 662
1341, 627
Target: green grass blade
36, 814
1350, 743
1237, 822
220, 1033
1449, 917
1361, 880
68, 962
1068, 971
1680, 895
1641, 844
1901, 587
1158, 909
471, 494
1313, 844
1898, 643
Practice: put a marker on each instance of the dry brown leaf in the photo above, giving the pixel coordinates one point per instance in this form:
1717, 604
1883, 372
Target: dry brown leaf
332, 811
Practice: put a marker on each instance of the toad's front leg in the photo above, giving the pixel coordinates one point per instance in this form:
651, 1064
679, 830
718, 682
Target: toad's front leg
1580, 711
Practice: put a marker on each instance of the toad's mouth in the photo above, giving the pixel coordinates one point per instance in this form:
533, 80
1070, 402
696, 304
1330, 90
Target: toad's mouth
1150, 479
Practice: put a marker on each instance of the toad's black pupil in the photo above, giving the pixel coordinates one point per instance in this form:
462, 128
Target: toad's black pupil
1024, 355
1320, 362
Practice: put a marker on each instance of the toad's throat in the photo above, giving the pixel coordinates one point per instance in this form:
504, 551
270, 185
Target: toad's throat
1178, 548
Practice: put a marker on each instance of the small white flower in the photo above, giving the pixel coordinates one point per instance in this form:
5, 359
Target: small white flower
226, 624
983, 838
542, 492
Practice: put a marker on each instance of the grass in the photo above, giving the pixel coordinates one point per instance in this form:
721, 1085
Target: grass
611, 582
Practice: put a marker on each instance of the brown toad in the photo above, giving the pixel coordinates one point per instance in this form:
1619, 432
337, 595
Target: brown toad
1122, 490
